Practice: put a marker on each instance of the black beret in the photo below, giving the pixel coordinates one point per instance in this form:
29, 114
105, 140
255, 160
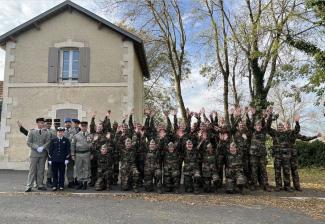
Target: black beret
57, 120
84, 123
40, 119
48, 120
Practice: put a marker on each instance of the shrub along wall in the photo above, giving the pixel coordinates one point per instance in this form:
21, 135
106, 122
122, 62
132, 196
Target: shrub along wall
311, 154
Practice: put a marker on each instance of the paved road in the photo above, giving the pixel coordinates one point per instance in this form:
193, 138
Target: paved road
32, 209
50, 208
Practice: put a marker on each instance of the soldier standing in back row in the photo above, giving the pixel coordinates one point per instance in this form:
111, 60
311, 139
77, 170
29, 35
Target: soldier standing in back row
257, 152
80, 150
38, 140
282, 154
69, 133
294, 155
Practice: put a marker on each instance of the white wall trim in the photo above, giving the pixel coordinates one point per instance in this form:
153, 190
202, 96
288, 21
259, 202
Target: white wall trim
128, 71
81, 114
7, 101
65, 85
69, 43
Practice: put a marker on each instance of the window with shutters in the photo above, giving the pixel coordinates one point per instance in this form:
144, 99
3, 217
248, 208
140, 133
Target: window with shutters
69, 65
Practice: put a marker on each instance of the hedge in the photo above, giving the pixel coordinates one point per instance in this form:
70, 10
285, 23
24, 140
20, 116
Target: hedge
311, 154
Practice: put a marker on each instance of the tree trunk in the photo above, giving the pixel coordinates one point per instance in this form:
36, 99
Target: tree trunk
225, 97
180, 100
234, 89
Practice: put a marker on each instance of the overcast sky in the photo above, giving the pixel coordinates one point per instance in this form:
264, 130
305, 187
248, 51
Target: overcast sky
195, 91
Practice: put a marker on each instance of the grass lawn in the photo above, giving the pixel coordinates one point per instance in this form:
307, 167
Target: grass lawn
313, 178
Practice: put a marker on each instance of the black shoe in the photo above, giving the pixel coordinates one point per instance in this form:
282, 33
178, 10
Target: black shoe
136, 190
61, 188
41, 188
277, 189
54, 188
84, 186
28, 189
70, 185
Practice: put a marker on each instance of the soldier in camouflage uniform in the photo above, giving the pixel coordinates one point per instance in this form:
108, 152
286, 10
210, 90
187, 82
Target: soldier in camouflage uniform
99, 139
222, 146
152, 168
191, 168
235, 177
281, 154
171, 169
209, 169
294, 154
129, 171
104, 168
242, 140
257, 151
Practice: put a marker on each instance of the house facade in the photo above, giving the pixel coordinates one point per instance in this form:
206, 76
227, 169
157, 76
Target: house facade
67, 62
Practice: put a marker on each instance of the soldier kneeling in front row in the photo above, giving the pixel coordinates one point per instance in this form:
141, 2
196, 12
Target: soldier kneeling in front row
209, 169
235, 178
152, 170
104, 168
129, 173
171, 169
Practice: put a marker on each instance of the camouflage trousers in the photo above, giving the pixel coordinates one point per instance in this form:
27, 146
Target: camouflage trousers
210, 182
246, 166
103, 179
294, 171
171, 178
129, 176
93, 170
220, 167
152, 177
116, 170
234, 178
192, 181
282, 164
258, 167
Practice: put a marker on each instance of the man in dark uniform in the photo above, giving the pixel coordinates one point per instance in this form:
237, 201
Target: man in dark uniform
59, 153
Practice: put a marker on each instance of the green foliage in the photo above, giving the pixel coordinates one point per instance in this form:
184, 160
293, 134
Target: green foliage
311, 154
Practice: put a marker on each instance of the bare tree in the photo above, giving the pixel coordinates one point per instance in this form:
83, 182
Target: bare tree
164, 21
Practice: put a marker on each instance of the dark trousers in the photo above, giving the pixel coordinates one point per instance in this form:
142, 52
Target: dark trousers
58, 169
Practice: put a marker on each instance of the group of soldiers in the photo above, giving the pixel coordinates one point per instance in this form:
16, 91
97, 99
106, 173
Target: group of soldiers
156, 155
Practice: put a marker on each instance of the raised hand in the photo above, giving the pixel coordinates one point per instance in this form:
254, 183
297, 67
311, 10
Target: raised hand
231, 110
19, 124
166, 113
297, 118
319, 134
175, 112
94, 114
108, 113
146, 112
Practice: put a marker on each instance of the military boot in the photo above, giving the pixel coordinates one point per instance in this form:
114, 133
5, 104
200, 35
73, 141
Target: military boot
288, 189
84, 186
267, 188
298, 188
79, 186
49, 182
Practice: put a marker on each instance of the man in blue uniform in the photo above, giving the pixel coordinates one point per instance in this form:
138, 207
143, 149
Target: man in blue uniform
59, 153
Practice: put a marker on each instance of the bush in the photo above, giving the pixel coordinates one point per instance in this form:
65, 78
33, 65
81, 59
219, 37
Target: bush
311, 154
